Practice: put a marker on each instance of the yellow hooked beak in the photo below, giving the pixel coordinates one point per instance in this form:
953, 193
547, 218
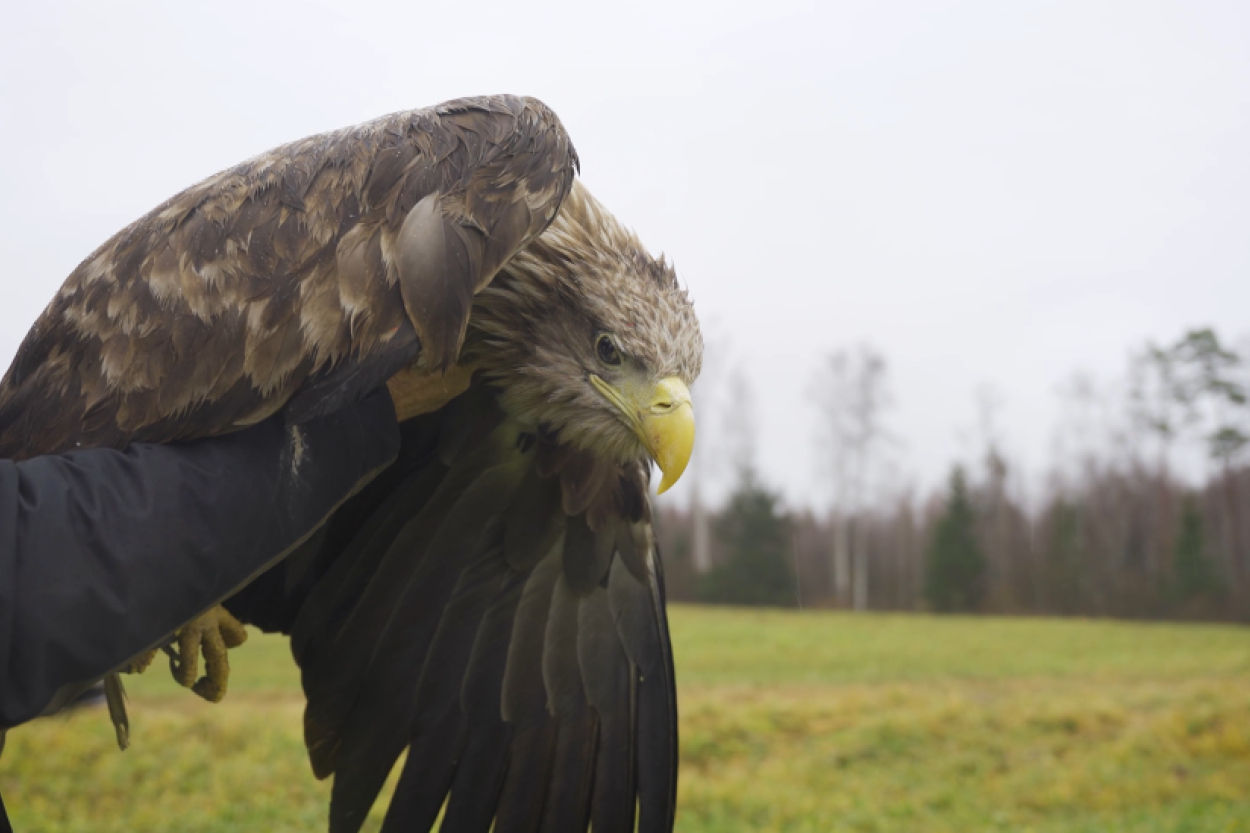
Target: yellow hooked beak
663, 419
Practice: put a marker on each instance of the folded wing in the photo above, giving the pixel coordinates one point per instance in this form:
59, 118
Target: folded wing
312, 271
518, 653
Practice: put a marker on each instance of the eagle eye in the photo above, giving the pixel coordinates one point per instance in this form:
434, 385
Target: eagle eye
606, 348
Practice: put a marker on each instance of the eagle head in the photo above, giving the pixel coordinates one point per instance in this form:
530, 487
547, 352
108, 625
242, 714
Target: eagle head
590, 338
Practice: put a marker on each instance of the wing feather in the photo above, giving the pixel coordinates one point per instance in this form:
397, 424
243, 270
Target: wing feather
531, 693
607, 675
439, 731
657, 719
524, 705
568, 805
480, 772
295, 267
336, 672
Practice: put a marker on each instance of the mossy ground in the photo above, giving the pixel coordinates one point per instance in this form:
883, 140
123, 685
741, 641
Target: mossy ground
790, 722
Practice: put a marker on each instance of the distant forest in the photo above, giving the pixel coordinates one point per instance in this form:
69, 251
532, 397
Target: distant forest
1117, 533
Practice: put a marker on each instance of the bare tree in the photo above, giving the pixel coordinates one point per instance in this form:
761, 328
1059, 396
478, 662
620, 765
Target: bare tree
741, 426
1158, 407
1088, 431
995, 509
851, 393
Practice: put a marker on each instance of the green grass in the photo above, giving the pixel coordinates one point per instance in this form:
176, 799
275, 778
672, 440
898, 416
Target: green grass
734, 646
790, 721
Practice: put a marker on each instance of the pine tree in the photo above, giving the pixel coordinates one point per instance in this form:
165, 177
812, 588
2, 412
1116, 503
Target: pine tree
955, 567
755, 539
1192, 572
1065, 564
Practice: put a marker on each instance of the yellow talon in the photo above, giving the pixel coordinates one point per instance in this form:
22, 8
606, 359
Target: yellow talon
140, 663
212, 633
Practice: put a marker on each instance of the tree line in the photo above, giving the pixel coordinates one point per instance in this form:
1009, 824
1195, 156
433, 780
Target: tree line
1117, 532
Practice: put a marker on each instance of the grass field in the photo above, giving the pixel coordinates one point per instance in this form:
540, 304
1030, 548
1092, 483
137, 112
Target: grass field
790, 721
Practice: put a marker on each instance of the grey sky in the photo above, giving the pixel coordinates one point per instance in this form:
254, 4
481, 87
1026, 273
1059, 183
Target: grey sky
989, 192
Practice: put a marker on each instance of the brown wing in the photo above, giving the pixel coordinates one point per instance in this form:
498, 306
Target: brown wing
327, 263
495, 604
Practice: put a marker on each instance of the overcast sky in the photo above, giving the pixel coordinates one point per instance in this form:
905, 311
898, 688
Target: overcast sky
992, 193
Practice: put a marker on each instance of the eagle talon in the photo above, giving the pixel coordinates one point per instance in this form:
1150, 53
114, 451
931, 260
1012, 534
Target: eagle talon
175, 661
212, 633
140, 663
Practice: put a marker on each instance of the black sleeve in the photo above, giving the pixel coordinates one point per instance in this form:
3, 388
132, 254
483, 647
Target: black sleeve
105, 553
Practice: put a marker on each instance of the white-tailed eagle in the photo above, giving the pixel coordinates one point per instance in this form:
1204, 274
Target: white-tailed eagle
494, 601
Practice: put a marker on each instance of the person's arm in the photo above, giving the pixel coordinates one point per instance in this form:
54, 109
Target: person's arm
105, 553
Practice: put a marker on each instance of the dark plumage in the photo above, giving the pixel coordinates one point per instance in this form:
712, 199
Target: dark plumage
310, 261
493, 601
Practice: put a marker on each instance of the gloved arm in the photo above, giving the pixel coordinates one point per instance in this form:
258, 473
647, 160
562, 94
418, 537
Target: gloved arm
105, 553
